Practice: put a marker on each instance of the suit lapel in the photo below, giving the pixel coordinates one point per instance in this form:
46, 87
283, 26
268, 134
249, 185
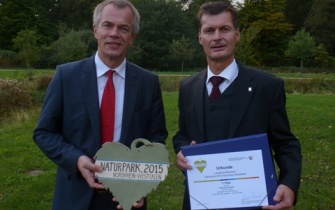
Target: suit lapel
130, 95
199, 98
243, 93
90, 89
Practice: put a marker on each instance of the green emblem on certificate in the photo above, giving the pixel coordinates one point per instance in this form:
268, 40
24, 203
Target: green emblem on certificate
200, 165
131, 174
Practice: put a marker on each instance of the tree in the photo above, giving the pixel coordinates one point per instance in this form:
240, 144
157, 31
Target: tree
43, 17
301, 46
182, 50
26, 44
161, 22
17, 15
322, 57
75, 14
69, 47
296, 12
268, 16
6, 58
245, 50
320, 22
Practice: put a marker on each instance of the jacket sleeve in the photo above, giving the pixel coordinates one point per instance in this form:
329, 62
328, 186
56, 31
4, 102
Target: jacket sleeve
48, 132
286, 147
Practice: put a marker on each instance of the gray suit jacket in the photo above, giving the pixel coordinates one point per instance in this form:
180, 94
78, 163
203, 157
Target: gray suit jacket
261, 110
69, 124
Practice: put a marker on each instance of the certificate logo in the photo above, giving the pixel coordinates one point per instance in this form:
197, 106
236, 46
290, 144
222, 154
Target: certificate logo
200, 165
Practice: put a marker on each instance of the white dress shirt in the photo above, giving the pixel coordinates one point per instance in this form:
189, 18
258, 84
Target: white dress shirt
230, 73
119, 85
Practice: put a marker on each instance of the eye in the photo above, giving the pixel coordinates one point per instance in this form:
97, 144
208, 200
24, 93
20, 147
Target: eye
225, 29
106, 25
208, 31
125, 29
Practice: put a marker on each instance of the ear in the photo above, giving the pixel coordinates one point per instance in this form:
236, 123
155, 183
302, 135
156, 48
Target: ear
238, 35
94, 27
199, 38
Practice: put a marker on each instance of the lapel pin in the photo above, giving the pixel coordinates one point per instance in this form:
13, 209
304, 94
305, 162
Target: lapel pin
249, 89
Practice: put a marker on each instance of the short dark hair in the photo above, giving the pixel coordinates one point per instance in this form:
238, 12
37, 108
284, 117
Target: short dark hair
215, 8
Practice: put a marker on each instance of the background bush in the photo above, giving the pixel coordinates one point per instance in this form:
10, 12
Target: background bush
13, 96
313, 85
30, 89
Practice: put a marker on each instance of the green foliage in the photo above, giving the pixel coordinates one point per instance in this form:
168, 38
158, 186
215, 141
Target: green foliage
322, 57
268, 16
321, 25
301, 46
13, 96
69, 47
134, 53
245, 49
87, 37
26, 44
18, 15
42, 82
43, 17
75, 14
182, 50
7, 54
311, 85
161, 22
296, 12
6, 58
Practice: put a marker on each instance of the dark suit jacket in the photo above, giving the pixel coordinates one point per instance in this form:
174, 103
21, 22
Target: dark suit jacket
261, 110
69, 124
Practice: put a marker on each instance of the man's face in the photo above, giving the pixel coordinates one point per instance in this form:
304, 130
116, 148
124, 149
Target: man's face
114, 33
218, 37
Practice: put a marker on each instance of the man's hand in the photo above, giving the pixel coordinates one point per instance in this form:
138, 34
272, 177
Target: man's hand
87, 169
137, 205
285, 198
181, 161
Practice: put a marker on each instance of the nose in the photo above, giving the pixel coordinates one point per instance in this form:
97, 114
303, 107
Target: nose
217, 35
113, 32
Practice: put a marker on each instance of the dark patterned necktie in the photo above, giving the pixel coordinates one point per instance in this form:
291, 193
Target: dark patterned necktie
216, 81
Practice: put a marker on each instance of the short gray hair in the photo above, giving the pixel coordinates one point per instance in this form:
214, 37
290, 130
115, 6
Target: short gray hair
119, 4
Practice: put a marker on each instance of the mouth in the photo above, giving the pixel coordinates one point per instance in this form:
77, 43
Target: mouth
218, 47
113, 44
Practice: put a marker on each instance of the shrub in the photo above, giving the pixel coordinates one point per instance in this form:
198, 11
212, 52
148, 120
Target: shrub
13, 96
170, 83
42, 82
314, 86
6, 58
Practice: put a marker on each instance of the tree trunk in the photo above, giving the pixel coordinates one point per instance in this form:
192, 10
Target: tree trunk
301, 66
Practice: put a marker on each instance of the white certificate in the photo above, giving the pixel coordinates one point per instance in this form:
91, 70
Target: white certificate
227, 180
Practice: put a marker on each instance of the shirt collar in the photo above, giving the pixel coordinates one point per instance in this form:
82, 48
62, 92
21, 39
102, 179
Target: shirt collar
102, 68
227, 73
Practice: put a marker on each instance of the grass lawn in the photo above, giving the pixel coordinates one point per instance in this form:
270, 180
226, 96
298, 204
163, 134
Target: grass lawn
27, 176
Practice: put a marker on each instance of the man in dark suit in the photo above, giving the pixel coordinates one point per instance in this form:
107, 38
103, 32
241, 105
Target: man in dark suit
68, 130
249, 102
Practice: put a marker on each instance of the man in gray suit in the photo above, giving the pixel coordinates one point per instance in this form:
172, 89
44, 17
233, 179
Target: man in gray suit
247, 102
68, 130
